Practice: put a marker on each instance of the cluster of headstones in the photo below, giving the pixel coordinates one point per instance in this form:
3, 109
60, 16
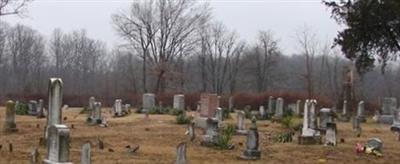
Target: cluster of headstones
35, 108
94, 113
119, 109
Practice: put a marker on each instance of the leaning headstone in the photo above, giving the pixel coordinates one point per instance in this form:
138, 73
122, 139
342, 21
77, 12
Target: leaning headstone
263, 113
241, 128
10, 125
86, 156
118, 108
181, 154
330, 134
32, 108
308, 135
208, 105
149, 101
211, 136
361, 111
58, 144
325, 117
55, 101
389, 106
231, 105
279, 108
179, 102
252, 152
40, 112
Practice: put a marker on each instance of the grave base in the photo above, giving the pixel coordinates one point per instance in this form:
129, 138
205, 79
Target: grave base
251, 155
395, 128
46, 161
386, 119
200, 122
344, 118
312, 140
242, 132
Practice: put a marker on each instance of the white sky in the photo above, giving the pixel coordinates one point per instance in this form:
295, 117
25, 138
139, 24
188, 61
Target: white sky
283, 17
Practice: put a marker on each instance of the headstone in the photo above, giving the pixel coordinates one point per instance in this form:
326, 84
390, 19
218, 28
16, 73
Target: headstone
330, 134
32, 108
58, 144
308, 134
181, 154
97, 118
92, 100
252, 152
356, 125
149, 101
345, 116
396, 122
361, 111
40, 112
270, 109
241, 126
389, 106
279, 108
325, 117
263, 113
126, 109
118, 108
313, 115
211, 136
374, 144
55, 101
231, 105
179, 102
297, 111
219, 114
35, 156
86, 156
10, 125
208, 105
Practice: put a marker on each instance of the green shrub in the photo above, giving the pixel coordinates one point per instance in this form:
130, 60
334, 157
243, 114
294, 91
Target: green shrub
183, 119
21, 109
284, 137
287, 122
225, 137
226, 114
247, 112
175, 112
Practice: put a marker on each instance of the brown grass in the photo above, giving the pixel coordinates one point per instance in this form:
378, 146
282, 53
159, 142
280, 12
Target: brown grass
158, 143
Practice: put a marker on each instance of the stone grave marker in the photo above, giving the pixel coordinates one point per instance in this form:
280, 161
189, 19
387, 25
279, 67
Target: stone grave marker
361, 111
330, 134
313, 115
297, 111
181, 154
326, 116
9, 124
32, 108
179, 102
252, 152
271, 106
241, 126
389, 106
357, 125
308, 134
191, 131
118, 108
55, 101
345, 116
208, 105
149, 101
231, 104
40, 112
211, 136
396, 124
263, 113
86, 153
279, 108
58, 144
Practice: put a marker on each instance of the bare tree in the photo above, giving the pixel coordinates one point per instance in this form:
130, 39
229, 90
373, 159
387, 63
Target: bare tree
13, 7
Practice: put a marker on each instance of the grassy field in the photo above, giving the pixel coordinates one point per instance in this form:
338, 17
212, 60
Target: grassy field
159, 136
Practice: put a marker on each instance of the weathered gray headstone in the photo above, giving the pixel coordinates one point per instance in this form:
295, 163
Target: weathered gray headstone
118, 108
191, 131
149, 101
211, 136
325, 117
396, 122
389, 106
361, 111
330, 135
40, 112
241, 126
252, 152
32, 108
55, 100
231, 105
126, 108
357, 125
313, 115
181, 154
297, 111
219, 114
345, 115
86, 153
92, 100
279, 108
263, 113
308, 134
179, 102
10, 125
97, 118
58, 144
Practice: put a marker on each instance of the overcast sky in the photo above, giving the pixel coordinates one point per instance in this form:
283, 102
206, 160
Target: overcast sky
247, 17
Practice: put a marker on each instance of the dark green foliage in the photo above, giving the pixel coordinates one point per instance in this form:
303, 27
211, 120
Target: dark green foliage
372, 30
247, 112
175, 112
183, 119
287, 122
284, 137
225, 137
226, 113
21, 109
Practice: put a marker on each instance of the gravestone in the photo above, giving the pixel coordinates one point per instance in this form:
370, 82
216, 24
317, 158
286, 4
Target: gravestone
356, 125
191, 131
86, 156
92, 100
219, 114
330, 134
97, 113
308, 134
149, 101
208, 105
297, 111
179, 102
325, 117
231, 105
35, 156
32, 108
40, 112
126, 109
291, 108
270, 109
263, 113
55, 101
58, 144
345, 116
10, 125
396, 123
361, 111
252, 152
241, 126
181, 154
279, 108
389, 106
117, 108
313, 115
211, 136
374, 144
